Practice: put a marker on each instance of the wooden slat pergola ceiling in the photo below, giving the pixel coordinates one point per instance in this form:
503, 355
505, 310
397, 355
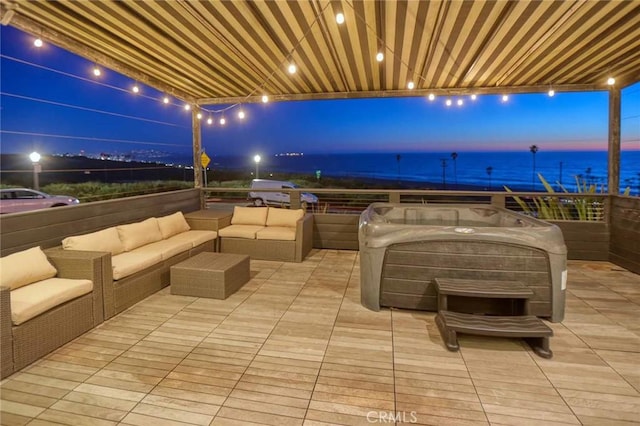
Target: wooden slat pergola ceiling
235, 51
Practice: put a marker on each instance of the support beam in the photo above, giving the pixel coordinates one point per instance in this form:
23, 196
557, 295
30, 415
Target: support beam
403, 93
614, 141
197, 151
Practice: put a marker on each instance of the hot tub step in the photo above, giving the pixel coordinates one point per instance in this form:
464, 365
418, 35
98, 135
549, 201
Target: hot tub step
483, 288
535, 332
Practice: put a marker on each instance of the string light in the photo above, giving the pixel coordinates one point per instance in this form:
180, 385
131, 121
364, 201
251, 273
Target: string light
448, 102
199, 116
37, 42
410, 85
505, 98
187, 107
265, 99
340, 18
222, 121
135, 88
431, 97
460, 102
209, 121
611, 81
551, 92
379, 57
474, 97
292, 69
241, 115
96, 71
165, 100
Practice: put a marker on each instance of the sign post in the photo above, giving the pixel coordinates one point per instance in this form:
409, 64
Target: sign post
205, 160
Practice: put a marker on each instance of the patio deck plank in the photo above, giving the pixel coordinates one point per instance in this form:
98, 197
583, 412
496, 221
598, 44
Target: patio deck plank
295, 346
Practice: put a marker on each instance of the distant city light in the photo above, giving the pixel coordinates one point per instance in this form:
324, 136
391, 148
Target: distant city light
340, 18
37, 42
379, 57
265, 99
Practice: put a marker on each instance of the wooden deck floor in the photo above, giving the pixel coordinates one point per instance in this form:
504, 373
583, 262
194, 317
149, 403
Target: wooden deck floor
294, 346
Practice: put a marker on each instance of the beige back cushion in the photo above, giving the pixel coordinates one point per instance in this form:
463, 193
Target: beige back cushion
284, 217
249, 216
172, 224
106, 240
140, 233
25, 267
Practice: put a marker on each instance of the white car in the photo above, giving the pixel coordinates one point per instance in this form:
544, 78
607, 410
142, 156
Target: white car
276, 198
14, 200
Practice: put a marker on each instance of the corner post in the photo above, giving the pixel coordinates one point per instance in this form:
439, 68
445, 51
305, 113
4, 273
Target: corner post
197, 151
614, 141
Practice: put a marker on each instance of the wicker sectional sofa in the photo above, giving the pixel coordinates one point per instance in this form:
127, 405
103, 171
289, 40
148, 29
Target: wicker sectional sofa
136, 257
45, 302
268, 233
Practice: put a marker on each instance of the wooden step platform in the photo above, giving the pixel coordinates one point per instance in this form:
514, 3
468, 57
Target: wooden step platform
535, 332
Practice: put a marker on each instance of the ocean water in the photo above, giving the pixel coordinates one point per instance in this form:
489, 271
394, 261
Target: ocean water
512, 169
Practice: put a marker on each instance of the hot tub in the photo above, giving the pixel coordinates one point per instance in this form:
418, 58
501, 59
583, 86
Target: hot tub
403, 247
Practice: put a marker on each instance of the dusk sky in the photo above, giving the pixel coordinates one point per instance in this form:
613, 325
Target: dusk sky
33, 117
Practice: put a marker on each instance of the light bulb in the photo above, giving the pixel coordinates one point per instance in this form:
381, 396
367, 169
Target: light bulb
135, 89
96, 71
340, 18
222, 121
187, 107
551, 92
460, 102
165, 100
37, 42
448, 102
505, 98
199, 116
379, 57
611, 81
209, 120
410, 85
265, 99
431, 96
292, 69
241, 115
474, 97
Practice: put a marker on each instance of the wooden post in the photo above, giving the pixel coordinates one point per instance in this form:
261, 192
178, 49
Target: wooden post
614, 141
197, 151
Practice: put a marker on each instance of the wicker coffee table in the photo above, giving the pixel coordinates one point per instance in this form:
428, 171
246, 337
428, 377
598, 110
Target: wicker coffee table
213, 275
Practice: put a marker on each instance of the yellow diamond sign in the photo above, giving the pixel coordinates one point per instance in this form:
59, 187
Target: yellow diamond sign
204, 159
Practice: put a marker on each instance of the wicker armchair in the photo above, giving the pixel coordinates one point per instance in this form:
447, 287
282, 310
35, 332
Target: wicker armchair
24, 343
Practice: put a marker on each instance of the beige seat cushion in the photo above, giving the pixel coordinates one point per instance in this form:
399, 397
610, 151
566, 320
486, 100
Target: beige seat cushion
138, 234
172, 224
106, 240
128, 263
34, 299
195, 237
166, 248
240, 231
25, 267
249, 216
284, 217
283, 233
